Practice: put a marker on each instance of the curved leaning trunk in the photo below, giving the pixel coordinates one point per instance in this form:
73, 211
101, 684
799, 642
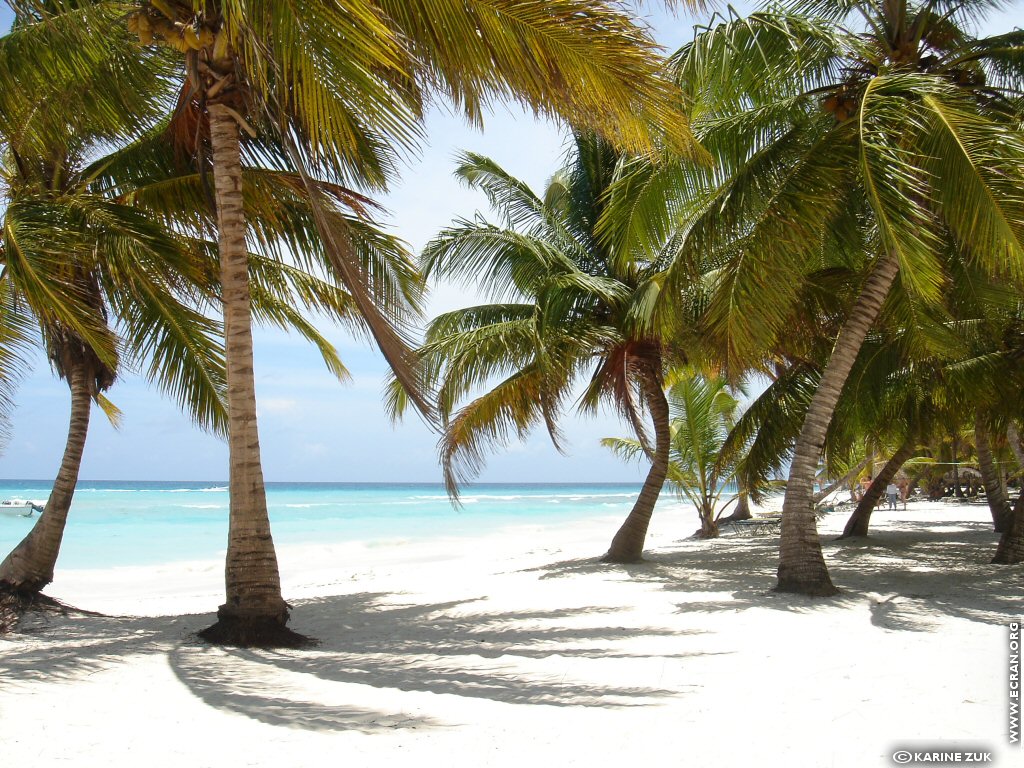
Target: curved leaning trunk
859, 521
843, 481
1013, 440
742, 511
801, 564
998, 504
29, 566
628, 544
1011, 544
254, 612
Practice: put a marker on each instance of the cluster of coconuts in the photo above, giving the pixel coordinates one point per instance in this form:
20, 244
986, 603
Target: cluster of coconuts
844, 102
159, 21
842, 105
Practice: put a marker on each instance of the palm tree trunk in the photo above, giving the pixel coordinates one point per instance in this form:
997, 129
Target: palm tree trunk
254, 612
1013, 440
1011, 544
709, 527
821, 495
802, 566
957, 490
628, 544
998, 504
29, 567
742, 511
859, 521
742, 508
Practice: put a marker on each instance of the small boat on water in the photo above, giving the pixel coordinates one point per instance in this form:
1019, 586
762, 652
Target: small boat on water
19, 508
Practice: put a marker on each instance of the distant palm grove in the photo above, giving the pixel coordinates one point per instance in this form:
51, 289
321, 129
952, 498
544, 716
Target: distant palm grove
790, 253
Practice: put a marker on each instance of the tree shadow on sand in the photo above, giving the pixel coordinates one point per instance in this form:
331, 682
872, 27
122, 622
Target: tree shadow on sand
909, 576
368, 640
924, 570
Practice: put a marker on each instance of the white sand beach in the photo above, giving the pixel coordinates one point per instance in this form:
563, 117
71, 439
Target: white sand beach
520, 649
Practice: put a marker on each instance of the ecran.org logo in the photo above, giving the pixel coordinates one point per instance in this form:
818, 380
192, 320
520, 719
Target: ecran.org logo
1013, 683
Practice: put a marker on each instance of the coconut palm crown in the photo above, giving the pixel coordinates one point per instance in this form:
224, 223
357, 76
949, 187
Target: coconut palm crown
107, 249
568, 309
90, 279
884, 135
342, 87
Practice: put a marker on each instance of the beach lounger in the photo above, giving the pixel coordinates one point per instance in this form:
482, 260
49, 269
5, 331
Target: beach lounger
757, 526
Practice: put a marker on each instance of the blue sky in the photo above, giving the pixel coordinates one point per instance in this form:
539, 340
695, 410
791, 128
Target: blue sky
311, 427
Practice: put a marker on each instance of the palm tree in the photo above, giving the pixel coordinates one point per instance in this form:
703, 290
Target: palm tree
860, 519
702, 411
1010, 550
72, 260
341, 86
117, 247
886, 124
126, 236
995, 493
988, 377
1011, 544
567, 306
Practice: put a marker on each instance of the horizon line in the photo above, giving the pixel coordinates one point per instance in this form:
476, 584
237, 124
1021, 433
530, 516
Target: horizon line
340, 482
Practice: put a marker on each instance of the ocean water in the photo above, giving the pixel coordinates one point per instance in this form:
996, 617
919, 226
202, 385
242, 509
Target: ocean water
141, 523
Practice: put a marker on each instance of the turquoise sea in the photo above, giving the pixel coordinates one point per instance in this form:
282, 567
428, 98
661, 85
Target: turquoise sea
116, 523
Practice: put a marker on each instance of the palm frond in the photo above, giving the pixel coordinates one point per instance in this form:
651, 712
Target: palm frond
511, 408
976, 171
295, 56
80, 56
896, 187
37, 244
585, 62
18, 334
512, 199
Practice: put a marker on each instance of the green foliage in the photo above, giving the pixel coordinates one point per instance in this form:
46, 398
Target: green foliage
568, 305
838, 134
75, 261
703, 411
842, 132
107, 228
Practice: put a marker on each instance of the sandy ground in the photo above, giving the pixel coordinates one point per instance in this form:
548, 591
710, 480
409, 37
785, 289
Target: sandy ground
520, 649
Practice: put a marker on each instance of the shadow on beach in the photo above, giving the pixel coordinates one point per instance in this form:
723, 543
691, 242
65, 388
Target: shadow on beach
920, 570
908, 578
367, 640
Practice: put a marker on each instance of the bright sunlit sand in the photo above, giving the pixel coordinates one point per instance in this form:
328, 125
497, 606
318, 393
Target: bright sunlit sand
518, 648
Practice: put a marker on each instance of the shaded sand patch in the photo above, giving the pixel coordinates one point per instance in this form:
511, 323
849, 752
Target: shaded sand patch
521, 647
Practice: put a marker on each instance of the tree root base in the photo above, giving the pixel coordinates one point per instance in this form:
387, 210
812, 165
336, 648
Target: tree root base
618, 559
704, 534
1005, 556
253, 632
808, 589
15, 603
848, 536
